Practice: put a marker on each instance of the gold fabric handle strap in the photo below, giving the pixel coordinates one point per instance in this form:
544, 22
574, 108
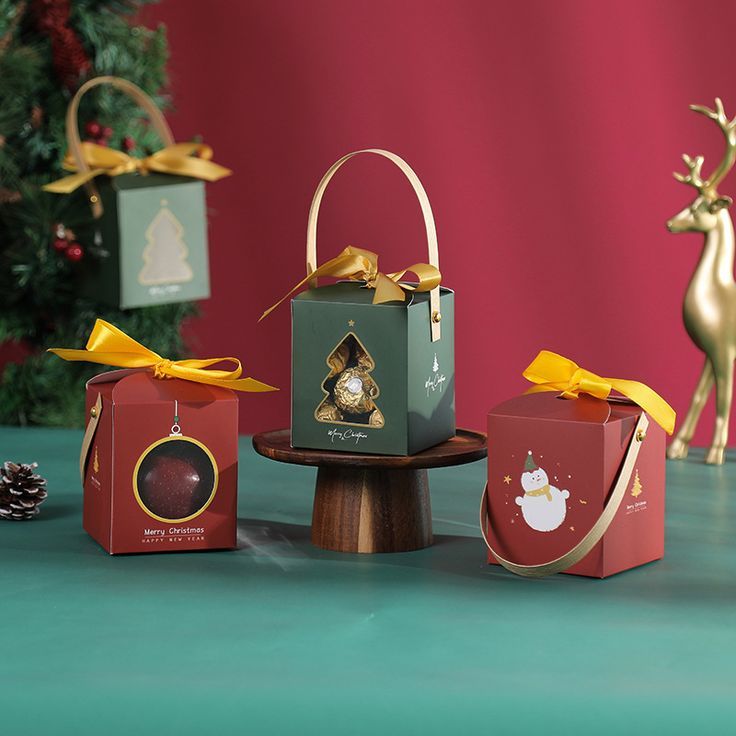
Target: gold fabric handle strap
74, 143
586, 544
89, 434
432, 246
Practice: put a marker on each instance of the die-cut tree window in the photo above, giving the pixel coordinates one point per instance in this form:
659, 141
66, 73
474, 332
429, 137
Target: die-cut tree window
350, 389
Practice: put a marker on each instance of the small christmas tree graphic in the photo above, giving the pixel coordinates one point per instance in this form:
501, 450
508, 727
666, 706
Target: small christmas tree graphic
350, 391
636, 489
435, 365
96, 462
165, 255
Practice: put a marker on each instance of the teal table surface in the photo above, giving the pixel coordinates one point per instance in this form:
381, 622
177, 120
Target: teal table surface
279, 637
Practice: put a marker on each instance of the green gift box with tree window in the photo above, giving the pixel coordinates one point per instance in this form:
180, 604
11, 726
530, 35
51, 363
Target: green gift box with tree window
373, 360
150, 218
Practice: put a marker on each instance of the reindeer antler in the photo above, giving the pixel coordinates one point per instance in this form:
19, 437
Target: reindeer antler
694, 178
728, 128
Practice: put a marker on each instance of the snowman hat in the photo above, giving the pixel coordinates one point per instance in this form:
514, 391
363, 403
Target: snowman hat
529, 464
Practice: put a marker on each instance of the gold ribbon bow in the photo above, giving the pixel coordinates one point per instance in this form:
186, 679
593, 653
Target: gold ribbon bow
553, 372
358, 264
111, 346
183, 159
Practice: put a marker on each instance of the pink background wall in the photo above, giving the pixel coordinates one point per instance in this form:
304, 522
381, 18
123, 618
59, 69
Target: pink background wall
545, 134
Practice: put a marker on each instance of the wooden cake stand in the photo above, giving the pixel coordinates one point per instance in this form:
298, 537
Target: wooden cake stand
372, 503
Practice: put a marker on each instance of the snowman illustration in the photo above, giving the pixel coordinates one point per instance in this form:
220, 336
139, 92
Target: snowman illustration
542, 505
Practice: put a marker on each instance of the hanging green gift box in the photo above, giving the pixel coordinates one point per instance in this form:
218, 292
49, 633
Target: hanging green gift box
373, 362
150, 213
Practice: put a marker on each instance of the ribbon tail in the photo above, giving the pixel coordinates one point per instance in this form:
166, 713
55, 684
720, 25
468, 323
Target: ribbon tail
346, 265
649, 400
177, 370
119, 360
196, 168
387, 290
68, 184
243, 384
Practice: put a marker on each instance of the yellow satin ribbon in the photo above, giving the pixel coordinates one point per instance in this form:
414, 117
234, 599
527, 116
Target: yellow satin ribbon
111, 346
176, 159
358, 264
553, 372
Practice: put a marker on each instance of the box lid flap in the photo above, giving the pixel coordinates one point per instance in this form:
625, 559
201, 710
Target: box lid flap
112, 376
353, 292
140, 387
138, 181
550, 406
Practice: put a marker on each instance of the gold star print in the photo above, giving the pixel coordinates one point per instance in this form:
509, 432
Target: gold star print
507, 479
351, 323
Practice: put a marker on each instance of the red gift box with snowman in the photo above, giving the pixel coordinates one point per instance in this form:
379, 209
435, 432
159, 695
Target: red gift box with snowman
159, 458
576, 476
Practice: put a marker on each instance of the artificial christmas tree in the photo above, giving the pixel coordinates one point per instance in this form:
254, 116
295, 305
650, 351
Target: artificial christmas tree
48, 48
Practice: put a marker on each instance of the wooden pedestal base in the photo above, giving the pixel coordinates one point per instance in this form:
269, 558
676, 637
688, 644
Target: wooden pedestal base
372, 503
371, 510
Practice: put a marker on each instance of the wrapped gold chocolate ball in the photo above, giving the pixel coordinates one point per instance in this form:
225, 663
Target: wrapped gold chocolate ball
363, 359
354, 391
328, 412
338, 359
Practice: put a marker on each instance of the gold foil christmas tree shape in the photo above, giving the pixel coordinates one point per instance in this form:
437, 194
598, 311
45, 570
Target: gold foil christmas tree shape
350, 390
636, 489
165, 255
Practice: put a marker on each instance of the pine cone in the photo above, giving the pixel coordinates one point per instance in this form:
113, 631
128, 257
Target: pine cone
21, 491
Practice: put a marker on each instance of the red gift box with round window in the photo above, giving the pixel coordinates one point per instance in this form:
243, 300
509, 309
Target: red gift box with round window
160, 464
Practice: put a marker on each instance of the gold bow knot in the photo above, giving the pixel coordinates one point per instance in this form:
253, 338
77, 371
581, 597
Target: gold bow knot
182, 159
162, 369
553, 372
357, 264
109, 345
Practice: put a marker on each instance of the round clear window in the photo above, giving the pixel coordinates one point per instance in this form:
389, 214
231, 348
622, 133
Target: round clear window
175, 479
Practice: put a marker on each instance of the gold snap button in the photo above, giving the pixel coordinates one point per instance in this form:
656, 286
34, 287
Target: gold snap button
93, 412
640, 435
436, 316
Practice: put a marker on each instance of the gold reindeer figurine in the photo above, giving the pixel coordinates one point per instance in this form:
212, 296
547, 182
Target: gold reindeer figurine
709, 308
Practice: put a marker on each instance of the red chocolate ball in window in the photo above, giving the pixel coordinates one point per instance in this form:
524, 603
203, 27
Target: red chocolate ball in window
170, 488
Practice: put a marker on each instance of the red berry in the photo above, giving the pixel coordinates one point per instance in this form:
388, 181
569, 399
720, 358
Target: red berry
74, 252
128, 143
93, 128
60, 245
106, 132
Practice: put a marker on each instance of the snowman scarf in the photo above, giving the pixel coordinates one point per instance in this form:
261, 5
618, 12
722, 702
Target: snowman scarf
543, 491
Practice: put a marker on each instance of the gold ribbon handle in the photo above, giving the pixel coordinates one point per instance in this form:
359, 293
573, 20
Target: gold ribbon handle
586, 544
432, 246
74, 142
89, 434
